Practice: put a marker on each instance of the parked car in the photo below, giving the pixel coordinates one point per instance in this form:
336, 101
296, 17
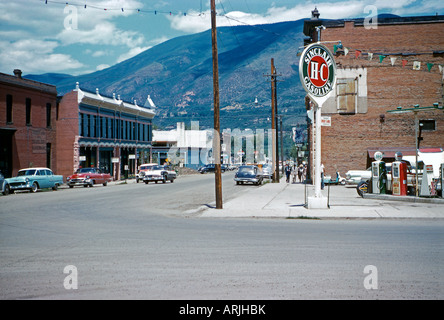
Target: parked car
158, 173
88, 177
354, 177
249, 174
4, 187
143, 169
33, 179
267, 171
210, 168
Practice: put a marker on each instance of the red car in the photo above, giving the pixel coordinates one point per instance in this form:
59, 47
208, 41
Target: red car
88, 177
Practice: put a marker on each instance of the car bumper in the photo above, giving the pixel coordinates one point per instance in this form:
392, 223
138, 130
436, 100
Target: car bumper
79, 182
152, 178
353, 181
254, 180
19, 185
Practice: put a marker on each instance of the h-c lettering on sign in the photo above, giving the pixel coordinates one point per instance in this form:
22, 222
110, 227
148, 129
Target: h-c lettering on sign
314, 70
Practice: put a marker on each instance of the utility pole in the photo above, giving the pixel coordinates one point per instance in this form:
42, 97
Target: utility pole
216, 134
274, 124
282, 144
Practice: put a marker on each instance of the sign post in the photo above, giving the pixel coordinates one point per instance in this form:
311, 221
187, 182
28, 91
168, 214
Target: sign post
317, 71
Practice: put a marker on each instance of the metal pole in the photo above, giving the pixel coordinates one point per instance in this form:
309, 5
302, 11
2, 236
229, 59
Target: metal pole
216, 135
276, 126
416, 154
275, 165
318, 154
282, 144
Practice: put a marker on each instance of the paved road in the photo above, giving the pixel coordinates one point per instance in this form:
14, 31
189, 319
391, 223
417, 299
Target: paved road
138, 241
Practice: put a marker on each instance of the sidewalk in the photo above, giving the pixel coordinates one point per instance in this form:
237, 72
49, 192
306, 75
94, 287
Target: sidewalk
286, 200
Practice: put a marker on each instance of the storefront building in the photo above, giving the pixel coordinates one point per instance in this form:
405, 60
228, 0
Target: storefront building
102, 132
27, 124
393, 62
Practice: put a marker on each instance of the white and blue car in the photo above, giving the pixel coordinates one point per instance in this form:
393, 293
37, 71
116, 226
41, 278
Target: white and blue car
33, 179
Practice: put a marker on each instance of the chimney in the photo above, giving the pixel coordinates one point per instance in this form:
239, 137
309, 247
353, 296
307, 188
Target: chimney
18, 73
315, 14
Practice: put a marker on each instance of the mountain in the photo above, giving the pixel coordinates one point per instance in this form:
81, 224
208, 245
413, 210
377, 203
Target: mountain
178, 76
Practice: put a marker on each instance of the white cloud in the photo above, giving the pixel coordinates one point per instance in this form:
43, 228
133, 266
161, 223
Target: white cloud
34, 56
133, 52
195, 22
102, 66
104, 33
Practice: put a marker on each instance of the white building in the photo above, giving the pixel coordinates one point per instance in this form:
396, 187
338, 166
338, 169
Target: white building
189, 148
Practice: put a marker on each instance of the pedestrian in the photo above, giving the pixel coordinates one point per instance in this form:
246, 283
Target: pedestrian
294, 174
322, 176
288, 172
304, 173
300, 172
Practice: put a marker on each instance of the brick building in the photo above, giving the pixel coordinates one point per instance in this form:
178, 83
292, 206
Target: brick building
104, 132
27, 124
378, 71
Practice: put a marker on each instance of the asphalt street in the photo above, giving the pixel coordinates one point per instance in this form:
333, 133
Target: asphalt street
157, 241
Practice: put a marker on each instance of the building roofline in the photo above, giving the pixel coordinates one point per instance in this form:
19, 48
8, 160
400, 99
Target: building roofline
112, 103
27, 83
309, 24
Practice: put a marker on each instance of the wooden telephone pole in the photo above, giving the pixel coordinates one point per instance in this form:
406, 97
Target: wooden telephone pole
274, 124
216, 134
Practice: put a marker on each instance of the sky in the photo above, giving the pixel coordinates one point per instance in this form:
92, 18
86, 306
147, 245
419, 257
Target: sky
82, 36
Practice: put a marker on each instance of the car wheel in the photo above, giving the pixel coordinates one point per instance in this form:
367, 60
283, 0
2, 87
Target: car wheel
146, 182
172, 180
55, 187
71, 186
35, 187
105, 183
362, 188
7, 190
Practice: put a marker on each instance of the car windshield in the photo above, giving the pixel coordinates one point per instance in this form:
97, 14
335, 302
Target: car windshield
147, 167
29, 172
246, 169
85, 170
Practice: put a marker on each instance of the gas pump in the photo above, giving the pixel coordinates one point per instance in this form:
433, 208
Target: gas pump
379, 174
441, 178
428, 185
399, 176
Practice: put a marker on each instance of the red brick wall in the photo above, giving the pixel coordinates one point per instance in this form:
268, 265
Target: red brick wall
68, 129
345, 143
29, 142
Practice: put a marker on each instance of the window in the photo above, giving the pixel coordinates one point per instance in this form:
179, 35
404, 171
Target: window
48, 155
347, 95
8, 109
48, 115
28, 111
427, 125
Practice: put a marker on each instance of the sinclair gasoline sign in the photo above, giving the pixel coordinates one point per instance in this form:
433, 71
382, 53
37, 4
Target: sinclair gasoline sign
317, 70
